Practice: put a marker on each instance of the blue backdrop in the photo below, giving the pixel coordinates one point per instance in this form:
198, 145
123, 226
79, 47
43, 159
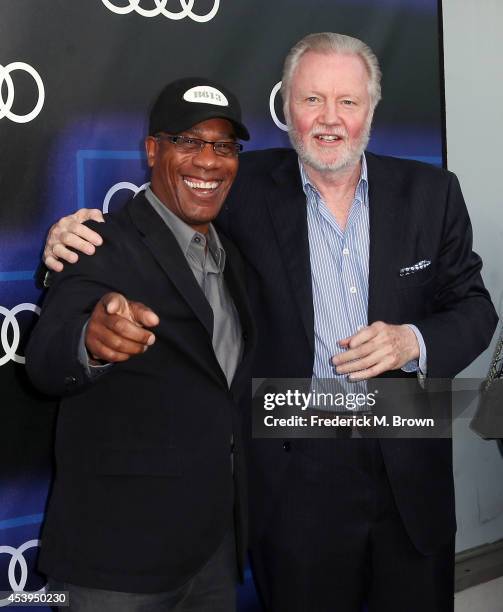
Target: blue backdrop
76, 80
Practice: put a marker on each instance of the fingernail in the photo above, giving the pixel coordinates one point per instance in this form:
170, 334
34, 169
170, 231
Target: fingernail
151, 340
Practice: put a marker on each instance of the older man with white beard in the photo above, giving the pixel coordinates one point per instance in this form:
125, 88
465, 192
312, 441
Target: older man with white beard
358, 266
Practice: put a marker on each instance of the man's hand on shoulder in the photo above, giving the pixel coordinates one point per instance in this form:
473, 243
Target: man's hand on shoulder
71, 233
116, 330
375, 349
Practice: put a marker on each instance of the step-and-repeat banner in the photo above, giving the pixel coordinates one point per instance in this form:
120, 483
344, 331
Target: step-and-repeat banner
76, 82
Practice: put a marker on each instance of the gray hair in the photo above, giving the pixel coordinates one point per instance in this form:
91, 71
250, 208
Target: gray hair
329, 43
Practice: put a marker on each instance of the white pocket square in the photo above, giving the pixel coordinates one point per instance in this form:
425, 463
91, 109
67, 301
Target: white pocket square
420, 265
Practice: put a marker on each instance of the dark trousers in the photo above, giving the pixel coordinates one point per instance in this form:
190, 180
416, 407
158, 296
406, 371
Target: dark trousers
212, 589
340, 553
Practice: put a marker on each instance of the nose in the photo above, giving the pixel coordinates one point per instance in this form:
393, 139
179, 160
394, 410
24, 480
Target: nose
206, 157
330, 113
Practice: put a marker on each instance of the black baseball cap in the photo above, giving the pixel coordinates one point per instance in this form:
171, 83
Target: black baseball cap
185, 102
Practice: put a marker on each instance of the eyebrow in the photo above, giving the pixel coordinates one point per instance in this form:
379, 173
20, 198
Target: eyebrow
313, 92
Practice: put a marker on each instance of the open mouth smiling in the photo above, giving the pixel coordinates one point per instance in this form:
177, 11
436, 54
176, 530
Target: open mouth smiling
327, 137
201, 186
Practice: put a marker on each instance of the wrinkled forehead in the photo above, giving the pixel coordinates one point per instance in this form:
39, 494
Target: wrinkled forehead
323, 70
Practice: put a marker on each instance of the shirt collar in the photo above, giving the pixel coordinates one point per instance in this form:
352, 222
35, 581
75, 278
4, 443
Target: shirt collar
184, 234
362, 187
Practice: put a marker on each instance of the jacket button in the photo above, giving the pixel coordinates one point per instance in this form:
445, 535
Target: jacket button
286, 446
70, 380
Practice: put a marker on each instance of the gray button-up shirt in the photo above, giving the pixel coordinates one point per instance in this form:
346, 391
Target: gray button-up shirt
206, 258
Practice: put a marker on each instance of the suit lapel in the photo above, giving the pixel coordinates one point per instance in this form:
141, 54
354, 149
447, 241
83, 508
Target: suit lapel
166, 251
387, 212
287, 207
234, 278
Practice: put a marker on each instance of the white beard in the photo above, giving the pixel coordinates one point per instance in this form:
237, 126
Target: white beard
349, 156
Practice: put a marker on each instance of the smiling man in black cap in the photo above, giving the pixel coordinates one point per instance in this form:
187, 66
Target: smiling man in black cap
148, 506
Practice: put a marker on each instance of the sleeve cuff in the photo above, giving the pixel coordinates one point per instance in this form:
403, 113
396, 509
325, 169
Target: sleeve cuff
417, 365
92, 371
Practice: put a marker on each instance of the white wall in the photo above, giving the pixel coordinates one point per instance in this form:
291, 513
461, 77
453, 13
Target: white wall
473, 49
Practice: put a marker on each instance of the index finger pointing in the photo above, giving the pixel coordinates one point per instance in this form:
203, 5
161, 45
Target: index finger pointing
129, 330
144, 315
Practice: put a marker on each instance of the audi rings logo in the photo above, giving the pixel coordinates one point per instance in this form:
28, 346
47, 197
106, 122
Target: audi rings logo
6, 105
160, 9
17, 560
272, 102
118, 187
10, 322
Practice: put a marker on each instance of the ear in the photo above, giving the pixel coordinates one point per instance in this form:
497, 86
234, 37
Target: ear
151, 148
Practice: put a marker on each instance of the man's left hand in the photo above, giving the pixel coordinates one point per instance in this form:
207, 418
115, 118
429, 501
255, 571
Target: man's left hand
376, 349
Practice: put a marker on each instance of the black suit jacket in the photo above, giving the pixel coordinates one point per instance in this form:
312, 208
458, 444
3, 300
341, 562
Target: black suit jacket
144, 491
417, 213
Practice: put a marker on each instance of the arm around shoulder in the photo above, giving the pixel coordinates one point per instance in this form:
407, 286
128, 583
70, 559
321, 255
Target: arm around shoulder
52, 353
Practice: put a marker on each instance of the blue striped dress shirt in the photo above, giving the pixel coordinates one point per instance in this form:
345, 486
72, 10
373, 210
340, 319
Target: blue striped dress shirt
339, 272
